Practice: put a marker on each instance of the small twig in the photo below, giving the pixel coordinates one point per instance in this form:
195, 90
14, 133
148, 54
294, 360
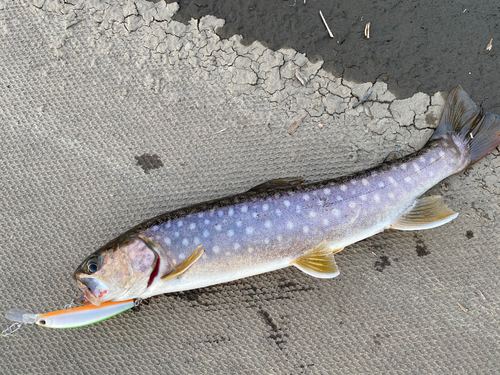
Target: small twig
220, 131
296, 124
490, 45
462, 308
365, 98
327, 28
367, 30
73, 24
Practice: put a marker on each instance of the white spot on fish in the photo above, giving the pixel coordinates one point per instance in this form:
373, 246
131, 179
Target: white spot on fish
185, 241
265, 207
343, 188
255, 214
239, 223
278, 212
218, 227
391, 195
249, 230
279, 238
155, 228
352, 204
422, 159
268, 224
432, 160
236, 246
403, 167
363, 197
176, 234
180, 223
212, 212
228, 253
216, 249
206, 233
416, 167
182, 256
339, 198
230, 233
298, 209
312, 214
306, 197
441, 153
250, 249
196, 240
327, 191
365, 182
220, 213
200, 215
393, 181
374, 174
168, 241
192, 226
266, 241
353, 219
381, 184
230, 212
325, 222
305, 229
169, 223
408, 179
207, 221
336, 212
289, 225
244, 209
354, 182
286, 203
376, 198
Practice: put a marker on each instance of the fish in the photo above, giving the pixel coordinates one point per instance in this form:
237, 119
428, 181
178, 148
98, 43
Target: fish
287, 222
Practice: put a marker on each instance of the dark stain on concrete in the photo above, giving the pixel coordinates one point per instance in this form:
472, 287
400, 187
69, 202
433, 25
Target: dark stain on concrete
148, 162
420, 246
469, 234
382, 263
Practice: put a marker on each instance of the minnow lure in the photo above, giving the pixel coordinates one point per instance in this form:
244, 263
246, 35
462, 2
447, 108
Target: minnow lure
287, 223
68, 318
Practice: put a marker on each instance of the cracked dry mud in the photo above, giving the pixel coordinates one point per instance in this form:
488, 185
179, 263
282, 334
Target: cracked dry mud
88, 86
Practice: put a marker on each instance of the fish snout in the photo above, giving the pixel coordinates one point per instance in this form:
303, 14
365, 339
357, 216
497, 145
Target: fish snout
93, 290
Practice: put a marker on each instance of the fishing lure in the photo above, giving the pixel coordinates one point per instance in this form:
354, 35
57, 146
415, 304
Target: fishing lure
67, 318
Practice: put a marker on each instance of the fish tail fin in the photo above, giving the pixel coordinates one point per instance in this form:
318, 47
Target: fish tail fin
480, 132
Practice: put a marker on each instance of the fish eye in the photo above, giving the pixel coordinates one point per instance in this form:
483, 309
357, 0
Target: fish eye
92, 265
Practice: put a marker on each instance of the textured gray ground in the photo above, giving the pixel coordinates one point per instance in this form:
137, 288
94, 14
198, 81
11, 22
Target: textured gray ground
81, 108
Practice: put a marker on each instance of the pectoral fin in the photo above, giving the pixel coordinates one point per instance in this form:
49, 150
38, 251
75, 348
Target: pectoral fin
318, 262
426, 213
181, 268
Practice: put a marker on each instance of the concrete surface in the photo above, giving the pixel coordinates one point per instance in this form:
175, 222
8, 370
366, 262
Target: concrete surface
127, 114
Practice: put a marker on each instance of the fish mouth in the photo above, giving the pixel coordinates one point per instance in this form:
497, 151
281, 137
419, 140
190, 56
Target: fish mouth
88, 294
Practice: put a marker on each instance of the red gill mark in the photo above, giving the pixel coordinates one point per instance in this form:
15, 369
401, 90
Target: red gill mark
154, 273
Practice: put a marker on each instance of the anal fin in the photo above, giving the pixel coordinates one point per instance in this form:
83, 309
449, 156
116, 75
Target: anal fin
426, 213
318, 262
183, 267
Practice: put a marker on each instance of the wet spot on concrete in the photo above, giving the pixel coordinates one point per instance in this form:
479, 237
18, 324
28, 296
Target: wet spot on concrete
430, 119
382, 263
148, 162
277, 335
420, 247
469, 234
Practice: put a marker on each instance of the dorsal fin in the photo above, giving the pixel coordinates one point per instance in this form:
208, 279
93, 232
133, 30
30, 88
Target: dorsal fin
426, 213
279, 183
318, 262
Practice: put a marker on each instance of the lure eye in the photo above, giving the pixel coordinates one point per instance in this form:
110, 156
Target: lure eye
92, 265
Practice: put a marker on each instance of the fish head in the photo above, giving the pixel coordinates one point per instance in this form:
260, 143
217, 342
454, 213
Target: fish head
119, 271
